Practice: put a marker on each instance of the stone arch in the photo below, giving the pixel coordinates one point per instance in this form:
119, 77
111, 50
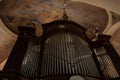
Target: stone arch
113, 29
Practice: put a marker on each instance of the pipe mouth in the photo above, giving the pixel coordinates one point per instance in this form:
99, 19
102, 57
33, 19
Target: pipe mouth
76, 77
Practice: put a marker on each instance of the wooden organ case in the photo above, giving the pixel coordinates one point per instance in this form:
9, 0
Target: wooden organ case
63, 52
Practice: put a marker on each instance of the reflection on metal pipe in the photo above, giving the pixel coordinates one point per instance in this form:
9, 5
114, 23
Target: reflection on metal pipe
30, 63
106, 64
67, 54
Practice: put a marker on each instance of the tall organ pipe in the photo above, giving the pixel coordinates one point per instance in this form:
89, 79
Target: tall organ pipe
14, 61
66, 53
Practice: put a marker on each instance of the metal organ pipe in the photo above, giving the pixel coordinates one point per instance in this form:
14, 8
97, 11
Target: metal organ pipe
106, 64
61, 53
29, 67
67, 54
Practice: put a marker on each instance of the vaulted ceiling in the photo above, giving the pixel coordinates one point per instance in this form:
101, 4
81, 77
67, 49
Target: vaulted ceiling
22, 12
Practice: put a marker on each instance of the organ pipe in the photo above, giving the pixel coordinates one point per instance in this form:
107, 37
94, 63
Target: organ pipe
61, 53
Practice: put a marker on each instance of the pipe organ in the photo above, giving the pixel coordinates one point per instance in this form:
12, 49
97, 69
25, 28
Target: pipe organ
63, 52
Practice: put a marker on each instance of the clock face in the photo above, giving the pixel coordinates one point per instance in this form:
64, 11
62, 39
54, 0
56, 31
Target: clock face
76, 77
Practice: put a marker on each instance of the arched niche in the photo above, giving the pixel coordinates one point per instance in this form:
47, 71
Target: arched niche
115, 40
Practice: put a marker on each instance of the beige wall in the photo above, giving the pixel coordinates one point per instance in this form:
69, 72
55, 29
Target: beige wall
7, 41
2, 64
